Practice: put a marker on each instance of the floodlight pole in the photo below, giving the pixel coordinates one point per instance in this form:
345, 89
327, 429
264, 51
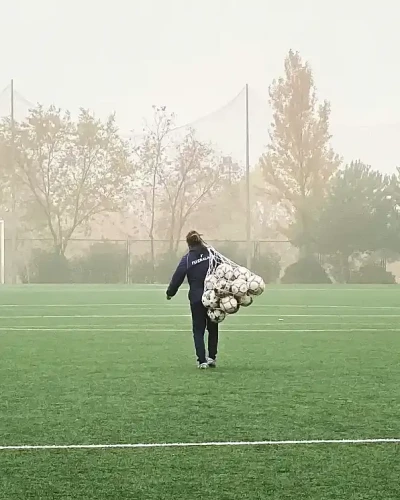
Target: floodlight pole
248, 209
2, 251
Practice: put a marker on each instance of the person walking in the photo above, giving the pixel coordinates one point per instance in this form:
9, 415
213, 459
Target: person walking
194, 266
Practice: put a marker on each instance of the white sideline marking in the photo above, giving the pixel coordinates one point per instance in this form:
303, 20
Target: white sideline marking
108, 304
156, 306
99, 316
176, 330
317, 324
162, 288
187, 445
105, 316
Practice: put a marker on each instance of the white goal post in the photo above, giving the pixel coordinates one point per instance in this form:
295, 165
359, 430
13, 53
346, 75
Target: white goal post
2, 252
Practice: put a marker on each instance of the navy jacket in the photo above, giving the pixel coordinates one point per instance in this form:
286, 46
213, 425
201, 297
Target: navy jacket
194, 266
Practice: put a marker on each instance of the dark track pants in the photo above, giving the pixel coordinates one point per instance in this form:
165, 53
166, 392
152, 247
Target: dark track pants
200, 322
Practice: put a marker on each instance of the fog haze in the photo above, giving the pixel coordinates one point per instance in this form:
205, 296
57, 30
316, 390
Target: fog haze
194, 57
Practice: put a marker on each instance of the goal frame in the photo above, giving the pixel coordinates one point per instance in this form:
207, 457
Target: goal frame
2, 252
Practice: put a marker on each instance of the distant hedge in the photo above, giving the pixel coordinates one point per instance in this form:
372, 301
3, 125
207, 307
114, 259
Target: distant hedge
103, 263
372, 274
108, 262
306, 271
46, 267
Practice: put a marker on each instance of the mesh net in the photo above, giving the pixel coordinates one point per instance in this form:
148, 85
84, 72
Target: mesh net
21, 105
225, 128
216, 259
228, 286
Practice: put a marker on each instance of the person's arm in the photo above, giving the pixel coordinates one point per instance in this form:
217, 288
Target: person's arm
177, 278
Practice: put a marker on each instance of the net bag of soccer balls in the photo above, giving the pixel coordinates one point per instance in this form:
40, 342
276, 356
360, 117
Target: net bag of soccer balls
228, 287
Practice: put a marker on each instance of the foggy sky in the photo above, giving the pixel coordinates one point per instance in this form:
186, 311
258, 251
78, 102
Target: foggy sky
194, 56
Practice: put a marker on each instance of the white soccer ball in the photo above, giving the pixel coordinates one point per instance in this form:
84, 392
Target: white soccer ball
216, 315
224, 271
229, 304
210, 282
256, 285
242, 272
210, 299
222, 288
239, 287
245, 301
229, 275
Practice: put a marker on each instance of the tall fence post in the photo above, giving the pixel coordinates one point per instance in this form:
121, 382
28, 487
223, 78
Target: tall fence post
2, 253
128, 262
256, 250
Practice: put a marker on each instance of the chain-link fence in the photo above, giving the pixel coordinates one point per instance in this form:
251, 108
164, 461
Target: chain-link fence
129, 261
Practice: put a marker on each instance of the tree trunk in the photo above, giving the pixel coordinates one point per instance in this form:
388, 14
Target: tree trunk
172, 231
345, 267
151, 232
153, 258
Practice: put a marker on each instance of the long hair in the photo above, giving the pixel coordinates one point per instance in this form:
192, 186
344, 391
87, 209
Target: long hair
194, 239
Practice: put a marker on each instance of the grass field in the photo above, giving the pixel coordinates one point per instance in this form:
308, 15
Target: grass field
111, 365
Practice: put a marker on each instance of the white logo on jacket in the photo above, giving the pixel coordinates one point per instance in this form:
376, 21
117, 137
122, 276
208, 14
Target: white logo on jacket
202, 259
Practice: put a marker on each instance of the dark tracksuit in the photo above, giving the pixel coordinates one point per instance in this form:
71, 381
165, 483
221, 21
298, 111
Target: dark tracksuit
194, 266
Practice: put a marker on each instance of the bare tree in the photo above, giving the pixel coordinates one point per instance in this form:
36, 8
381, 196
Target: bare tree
150, 157
192, 175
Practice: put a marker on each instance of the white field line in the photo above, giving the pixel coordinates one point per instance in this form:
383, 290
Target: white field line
176, 330
106, 316
200, 444
162, 288
98, 316
83, 289
157, 306
225, 326
108, 304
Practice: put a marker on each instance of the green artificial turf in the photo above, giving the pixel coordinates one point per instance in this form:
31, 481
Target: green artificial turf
109, 365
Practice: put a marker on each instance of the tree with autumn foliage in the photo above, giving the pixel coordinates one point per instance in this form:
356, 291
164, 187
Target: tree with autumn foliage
299, 161
5, 164
72, 170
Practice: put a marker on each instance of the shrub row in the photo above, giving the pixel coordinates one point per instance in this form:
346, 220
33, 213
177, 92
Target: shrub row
309, 271
109, 263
